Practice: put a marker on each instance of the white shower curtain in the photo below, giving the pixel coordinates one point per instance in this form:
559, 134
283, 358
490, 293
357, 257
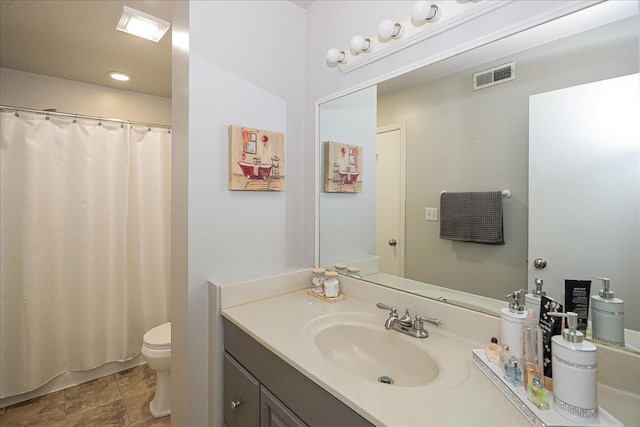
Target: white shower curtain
85, 244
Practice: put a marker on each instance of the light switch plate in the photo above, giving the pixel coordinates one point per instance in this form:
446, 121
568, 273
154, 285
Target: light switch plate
431, 214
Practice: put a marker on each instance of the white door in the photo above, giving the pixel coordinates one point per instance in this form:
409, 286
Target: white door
390, 198
583, 210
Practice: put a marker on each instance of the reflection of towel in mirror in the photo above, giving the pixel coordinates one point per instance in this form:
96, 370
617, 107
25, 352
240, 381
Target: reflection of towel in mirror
472, 217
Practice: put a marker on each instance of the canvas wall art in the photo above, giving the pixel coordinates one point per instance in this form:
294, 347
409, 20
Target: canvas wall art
256, 159
343, 168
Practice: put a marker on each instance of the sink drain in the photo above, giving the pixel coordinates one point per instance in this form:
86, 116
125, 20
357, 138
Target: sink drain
385, 380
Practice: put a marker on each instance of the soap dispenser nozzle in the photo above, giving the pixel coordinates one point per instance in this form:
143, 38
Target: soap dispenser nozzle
605, 293
516, 305
538, 290
570, 333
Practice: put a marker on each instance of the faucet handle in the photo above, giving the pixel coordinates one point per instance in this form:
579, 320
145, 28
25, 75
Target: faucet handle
418, 322
392, 310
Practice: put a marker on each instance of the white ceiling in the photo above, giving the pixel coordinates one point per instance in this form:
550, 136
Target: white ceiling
77, 40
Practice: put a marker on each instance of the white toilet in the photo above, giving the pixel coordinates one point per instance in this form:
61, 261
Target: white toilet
156, 350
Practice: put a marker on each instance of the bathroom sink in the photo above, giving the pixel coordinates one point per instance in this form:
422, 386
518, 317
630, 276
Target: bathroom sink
356, 345
375, 354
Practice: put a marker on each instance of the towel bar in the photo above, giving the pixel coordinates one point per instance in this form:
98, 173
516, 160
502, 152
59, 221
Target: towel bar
505, 193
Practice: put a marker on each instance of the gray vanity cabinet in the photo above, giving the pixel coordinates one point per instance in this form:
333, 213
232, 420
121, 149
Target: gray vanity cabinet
248, 403
267, 391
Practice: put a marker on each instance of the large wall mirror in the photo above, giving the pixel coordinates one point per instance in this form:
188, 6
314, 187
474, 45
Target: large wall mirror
441, 134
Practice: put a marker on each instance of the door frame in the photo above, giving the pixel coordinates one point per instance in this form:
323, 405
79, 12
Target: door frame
402, 127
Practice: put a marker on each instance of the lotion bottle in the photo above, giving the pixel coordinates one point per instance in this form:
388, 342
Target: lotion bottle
607, 316
574, 373
532, 300
511, 322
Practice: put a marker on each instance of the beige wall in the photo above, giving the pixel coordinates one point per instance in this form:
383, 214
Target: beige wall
465, 140
20, 89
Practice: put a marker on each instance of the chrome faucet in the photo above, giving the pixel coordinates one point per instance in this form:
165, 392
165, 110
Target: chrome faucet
405, 325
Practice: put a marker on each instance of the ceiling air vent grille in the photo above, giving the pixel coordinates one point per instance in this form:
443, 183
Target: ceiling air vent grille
494, 76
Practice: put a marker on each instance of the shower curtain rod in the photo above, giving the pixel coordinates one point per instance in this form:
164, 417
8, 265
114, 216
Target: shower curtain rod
83, 116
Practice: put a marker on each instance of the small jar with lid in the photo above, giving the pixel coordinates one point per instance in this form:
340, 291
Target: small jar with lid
341, 269
353, 272
331, 284
317, 280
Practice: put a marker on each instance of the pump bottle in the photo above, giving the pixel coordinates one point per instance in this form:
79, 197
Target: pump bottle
574, 373
532, 300
607, 316
511, 323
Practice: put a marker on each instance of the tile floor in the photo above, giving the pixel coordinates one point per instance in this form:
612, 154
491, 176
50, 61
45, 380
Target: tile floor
121, 399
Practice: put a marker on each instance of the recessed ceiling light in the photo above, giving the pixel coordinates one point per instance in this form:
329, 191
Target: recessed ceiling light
119, 76
142, 24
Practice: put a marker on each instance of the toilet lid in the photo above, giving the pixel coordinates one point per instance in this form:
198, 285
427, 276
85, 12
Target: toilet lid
158, 337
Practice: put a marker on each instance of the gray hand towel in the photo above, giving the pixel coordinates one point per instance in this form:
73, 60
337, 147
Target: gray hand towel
472, 217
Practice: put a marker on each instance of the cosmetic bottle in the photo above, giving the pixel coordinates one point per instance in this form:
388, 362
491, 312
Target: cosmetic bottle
537, 394
493, 351
607, 316
505, 356
574, 373
511, 322
532, 352
513, 372
532, 300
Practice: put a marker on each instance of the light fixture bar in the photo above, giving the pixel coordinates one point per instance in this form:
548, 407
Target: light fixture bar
453, 15
142, 24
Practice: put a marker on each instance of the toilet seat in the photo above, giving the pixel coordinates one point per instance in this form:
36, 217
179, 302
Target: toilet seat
158, 338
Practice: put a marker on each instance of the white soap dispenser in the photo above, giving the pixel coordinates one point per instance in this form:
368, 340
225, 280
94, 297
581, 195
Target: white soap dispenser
607, 316
574, 373
532, 300
511, 323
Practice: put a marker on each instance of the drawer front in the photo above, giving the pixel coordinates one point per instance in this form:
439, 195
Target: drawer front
273, 413
241, 395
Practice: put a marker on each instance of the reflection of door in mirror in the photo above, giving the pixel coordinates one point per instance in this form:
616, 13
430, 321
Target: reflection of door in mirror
390, 198
584, 187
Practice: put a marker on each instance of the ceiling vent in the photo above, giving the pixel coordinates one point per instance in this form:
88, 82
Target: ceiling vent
494, 76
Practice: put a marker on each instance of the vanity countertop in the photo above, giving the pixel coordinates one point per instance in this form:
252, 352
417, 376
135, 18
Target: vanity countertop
281, 323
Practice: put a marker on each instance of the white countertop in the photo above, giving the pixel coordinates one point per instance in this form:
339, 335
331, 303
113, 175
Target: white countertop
466, 398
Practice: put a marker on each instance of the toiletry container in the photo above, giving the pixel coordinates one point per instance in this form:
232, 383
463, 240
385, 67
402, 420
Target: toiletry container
331, 284
341, 269
493, 350
353, 272
574, 373
532, 300
511, 325
607, 316
317, 280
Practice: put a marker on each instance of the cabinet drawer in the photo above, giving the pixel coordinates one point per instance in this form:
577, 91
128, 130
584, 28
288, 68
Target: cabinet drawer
241, 395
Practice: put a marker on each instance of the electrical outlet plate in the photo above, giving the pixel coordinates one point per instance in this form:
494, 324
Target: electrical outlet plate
431, 214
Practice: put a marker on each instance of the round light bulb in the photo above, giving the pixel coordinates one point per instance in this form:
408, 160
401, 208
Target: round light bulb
425, 11
387, 29
359, 44
334, 55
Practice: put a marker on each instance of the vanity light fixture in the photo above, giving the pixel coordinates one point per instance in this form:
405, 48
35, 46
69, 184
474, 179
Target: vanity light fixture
117, 75
425, 11
387, 29
394, 36
142, 24
335, 56
359, 44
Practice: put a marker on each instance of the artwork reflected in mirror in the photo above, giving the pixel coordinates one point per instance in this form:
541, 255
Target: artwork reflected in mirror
343, 168
256, 159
